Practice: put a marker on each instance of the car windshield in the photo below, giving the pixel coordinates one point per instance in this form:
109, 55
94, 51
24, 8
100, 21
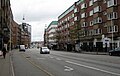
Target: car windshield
44, 48
117, 49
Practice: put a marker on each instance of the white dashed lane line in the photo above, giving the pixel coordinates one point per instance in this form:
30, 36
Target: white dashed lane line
58, 59
81, 65
68, 69
51, 57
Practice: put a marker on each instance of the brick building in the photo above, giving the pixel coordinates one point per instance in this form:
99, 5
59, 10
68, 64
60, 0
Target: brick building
91, 24
6, 18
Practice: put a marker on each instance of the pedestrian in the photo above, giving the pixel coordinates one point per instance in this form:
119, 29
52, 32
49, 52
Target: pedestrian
4, 52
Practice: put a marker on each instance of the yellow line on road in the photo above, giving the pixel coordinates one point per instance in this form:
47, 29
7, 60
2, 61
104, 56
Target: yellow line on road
48, 73
11, 64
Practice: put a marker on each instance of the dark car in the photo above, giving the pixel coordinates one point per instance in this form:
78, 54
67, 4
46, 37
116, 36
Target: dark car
115, 51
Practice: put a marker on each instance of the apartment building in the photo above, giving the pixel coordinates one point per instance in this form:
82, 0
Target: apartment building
15, 36
65, 29
25, 34
51, 35
6, 18
94, 24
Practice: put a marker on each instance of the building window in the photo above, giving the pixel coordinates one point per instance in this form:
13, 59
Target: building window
97, 9
91, 13
104, 1
112, 15
91, 3
90, 32
97, 20
75, 18
83, 6
83, 15
75, 10
91, 23
114, 28
97, 31
84, 33
84, 24
111, 3
95, 0
72, 15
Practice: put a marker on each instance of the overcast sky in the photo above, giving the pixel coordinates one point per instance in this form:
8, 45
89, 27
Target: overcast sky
39, 13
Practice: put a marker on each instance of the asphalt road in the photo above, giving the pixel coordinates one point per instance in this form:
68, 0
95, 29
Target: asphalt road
59, 63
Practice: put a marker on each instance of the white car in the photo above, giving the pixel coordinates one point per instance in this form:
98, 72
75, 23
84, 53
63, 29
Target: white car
44, 50
22, 48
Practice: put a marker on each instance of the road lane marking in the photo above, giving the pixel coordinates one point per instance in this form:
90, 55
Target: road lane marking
58, 59
40, 58
105, 71
67, 68
35, 65
12, 68
51, 57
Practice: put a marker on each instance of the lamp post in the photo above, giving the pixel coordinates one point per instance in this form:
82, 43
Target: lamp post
112, 33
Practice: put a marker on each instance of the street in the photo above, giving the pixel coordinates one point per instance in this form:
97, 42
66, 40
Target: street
60, 63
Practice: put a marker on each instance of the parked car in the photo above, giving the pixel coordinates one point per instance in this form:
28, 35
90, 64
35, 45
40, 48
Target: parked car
115, 51
44, 50
22, 48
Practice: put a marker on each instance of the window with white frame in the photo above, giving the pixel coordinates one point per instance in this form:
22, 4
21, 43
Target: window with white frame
95, 0
111, 3
91, 13
84, 24
68, 18
84, 33
104, 1
83, 15
83, 6
97, 20
97, 9
91, 3
75, 10
72, 15
73, 23
91, 23
75, 18
97, 31
114, 28
90, 32
112, 15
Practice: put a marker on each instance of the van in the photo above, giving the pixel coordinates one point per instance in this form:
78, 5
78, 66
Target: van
22, 48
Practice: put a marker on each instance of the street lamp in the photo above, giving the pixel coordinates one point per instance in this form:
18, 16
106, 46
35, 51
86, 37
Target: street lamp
112, 32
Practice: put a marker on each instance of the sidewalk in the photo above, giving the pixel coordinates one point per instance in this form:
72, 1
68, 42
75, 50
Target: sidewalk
5, 65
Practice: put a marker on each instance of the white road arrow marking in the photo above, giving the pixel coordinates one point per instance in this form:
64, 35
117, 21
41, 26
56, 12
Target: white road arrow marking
68, 68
